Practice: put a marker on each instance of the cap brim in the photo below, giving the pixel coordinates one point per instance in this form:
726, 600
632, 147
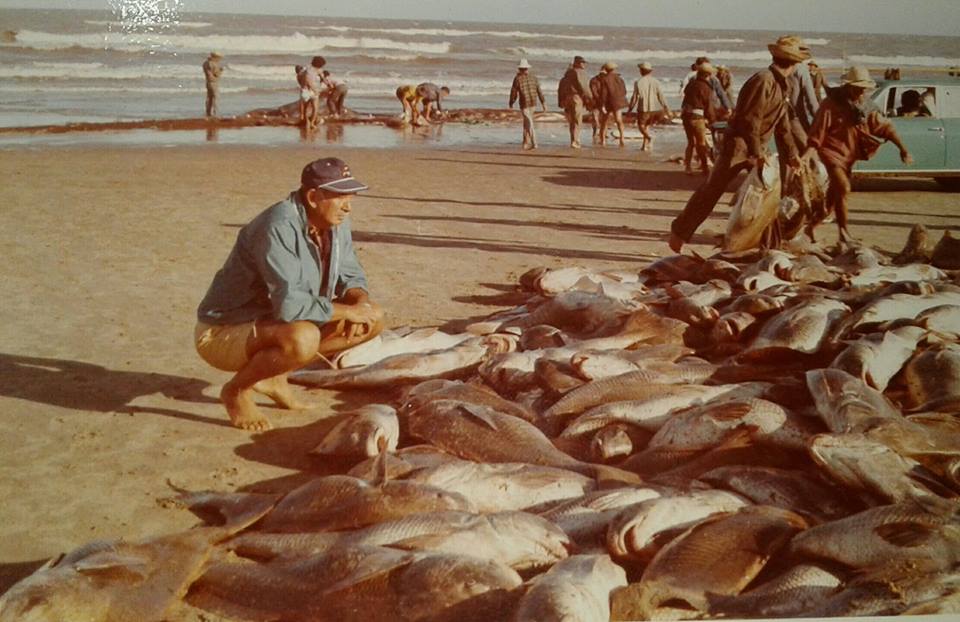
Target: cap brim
347, 185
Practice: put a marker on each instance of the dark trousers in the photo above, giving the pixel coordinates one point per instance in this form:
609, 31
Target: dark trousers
335, 99
705, 198
211, 104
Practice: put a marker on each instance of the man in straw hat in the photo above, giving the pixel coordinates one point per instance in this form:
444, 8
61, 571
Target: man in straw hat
649, 101
526, 88
290, 291
211, 72
697, 113
573, 95
848, 128
760, 112
613, 99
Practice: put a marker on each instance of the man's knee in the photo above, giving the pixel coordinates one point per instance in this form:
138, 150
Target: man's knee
299, 340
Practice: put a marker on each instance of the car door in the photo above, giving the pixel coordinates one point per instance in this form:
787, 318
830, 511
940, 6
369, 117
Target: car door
924, 137
949, 109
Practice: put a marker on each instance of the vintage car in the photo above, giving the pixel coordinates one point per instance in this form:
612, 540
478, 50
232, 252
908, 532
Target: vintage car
926, 113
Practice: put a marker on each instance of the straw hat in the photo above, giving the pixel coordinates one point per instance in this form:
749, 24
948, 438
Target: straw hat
858, 76
706, 68
216, 55
790, 47
524, 64
610, 66
645, 66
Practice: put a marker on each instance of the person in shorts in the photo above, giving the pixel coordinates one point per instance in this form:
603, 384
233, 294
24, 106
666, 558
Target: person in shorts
290, 291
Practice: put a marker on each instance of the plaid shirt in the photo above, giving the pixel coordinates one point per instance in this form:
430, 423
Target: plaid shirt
526, 87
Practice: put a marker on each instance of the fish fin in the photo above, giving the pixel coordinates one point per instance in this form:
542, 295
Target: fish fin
480, 413
115, 564
906, 535
380, 470
232, 511
368, 572
419, 543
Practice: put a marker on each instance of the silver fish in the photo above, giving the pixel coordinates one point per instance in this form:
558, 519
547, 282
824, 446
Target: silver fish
504, 486
890, 274
897, 306
577, 588
391, 343
593, 364
585, 519
366, 432
943, 319
400, 368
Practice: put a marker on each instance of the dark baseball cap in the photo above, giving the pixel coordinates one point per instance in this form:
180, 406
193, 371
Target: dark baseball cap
331, 174
579, 59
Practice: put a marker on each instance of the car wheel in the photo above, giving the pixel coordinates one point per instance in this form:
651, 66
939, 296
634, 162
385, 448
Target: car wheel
950, 183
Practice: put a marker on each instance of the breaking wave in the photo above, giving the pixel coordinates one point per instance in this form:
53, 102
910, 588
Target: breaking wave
453, 32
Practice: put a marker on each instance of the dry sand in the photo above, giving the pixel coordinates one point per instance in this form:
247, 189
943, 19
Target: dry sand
108, 251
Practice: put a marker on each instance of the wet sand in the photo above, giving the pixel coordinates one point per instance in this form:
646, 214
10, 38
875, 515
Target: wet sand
104, 404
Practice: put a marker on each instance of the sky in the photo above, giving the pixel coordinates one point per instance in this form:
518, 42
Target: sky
932, 17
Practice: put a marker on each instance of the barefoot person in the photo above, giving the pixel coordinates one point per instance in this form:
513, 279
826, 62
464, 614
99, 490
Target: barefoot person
848, 128
290, 290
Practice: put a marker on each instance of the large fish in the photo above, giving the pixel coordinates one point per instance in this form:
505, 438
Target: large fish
352, 583
861, 463
933, 379
585, 519
638, 531
891, 274
114, 581
518, 539
878, 357
944, 319
788, 489
594, 364
846, 403
923, 530
718, 556
896, 307
484, 435
708, 425
791, 594
577, 588
396, 465
504, 486
797, 331
582, 313
365, 432
343, 502
756, 206
649, 414
400, 368
390, 343
464, 392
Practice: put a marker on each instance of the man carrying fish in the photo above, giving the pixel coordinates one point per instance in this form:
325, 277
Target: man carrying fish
761, 111
291, 290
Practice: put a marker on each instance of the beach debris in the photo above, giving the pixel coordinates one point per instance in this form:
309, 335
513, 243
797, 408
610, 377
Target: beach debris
757, 433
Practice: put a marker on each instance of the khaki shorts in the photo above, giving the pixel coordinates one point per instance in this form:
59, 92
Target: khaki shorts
224, 346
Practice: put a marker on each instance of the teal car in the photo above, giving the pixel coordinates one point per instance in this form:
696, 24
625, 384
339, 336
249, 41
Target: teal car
930, 130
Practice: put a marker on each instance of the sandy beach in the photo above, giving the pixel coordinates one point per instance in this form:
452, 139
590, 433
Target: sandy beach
104, 404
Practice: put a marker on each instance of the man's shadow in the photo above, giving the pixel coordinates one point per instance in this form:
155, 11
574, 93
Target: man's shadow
85, 386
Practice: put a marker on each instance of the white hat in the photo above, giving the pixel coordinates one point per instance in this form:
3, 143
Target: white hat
645, 66
858, 76
524, 64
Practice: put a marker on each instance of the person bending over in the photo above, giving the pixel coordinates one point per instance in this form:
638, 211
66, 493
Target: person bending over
291, 290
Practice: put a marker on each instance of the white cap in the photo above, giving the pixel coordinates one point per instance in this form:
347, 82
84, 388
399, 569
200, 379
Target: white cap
524, 64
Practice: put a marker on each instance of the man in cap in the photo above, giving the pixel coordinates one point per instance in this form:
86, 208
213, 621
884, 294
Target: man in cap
848, 128
697, 113
819, 80
526, 88
211, 73
649, 101
291, 290
613, 97
760, 112
573, 96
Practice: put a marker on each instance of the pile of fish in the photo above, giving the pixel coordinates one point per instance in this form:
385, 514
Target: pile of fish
756, 434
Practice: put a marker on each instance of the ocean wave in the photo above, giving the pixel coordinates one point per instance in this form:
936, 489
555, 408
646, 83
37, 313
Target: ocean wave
748, 58
896, 61
453, 32
50, 88
296, 43
174, 24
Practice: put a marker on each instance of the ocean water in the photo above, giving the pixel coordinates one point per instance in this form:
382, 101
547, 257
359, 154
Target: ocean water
65, 66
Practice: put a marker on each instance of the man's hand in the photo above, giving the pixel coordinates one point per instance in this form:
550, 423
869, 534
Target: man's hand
905, 157
360, 318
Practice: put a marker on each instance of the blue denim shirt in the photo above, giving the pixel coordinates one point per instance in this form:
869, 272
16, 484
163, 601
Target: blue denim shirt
274, 271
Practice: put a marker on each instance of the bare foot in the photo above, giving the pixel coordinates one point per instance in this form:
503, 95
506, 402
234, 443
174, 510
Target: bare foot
241, 409
676, 243
280, 391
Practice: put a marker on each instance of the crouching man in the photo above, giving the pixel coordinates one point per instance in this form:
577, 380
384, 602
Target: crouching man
290, 290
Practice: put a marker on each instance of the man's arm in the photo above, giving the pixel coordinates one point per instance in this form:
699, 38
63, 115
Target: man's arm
721, 94
514, 91
635, 98
543, 103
